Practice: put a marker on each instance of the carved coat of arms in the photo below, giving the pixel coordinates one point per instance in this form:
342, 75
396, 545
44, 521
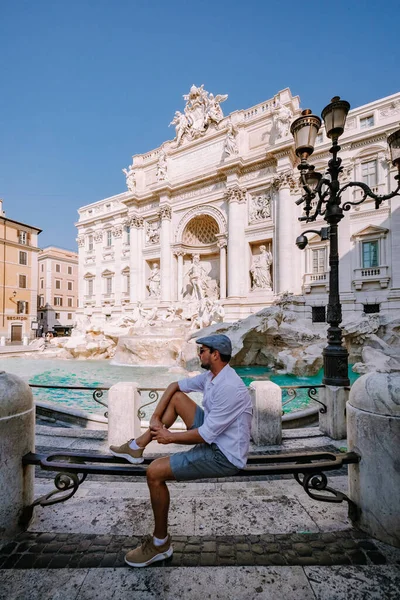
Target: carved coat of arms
202, 109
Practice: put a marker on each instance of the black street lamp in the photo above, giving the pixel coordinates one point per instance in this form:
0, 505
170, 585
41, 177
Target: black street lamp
328, 193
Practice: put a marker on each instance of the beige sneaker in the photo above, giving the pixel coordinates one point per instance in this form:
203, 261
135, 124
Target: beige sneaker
124, 451
148, 553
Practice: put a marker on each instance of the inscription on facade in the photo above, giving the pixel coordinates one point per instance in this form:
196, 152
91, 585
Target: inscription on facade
201, 158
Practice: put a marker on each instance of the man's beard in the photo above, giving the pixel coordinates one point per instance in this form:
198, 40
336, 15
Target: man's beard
206, 367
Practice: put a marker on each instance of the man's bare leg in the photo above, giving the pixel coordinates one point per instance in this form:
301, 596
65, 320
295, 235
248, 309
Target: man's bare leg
179, 405
158, 472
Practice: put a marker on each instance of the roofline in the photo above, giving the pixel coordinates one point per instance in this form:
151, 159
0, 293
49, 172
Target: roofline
20, 223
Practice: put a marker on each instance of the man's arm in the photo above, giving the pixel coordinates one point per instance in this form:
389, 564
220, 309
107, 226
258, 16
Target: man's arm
164, 436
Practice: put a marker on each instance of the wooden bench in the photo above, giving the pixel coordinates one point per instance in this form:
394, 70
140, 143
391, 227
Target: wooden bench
308, 469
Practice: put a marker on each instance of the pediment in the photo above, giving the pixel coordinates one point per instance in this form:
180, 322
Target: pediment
371, 230
89, 275
125, 271
107, 273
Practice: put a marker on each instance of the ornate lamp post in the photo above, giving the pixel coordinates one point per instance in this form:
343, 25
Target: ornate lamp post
328, 194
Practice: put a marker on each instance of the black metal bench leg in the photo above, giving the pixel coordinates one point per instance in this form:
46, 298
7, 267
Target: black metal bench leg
66, 484
313, 483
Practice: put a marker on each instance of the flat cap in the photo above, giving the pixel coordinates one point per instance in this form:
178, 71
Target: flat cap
218, 341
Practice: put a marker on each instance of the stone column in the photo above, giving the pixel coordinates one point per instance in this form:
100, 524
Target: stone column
81, 271
179, 254
17, 438
333, 421
123, 405
266, 427
98, 283
285, 239
165, 248
222, 243
373, 431
136, 223
118, 231
236, 197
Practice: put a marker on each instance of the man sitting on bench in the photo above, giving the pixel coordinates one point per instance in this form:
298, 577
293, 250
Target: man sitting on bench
220, 433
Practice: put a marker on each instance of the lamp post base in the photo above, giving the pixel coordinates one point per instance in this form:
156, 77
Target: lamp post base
336, 366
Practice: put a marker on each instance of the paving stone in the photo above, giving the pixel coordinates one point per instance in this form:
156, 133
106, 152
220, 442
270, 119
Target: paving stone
192, 548
302, 549
349, 544
257, 549
190, 560
9, 548
226, 561
357, 557
109, 560
43, 561
323, 558
242, 547
271, 547
26, 561
226, 550
308, 560
208, 559
52, 548
45, 538
91, 560
366, 545
244, 558
209, 546
60, 561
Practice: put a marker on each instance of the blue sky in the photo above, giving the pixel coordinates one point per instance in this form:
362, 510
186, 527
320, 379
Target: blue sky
85, 84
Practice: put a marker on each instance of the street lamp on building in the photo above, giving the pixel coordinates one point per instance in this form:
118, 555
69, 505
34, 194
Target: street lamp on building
323, 196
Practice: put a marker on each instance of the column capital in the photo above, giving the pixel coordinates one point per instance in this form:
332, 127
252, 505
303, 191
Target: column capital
136, 221
165, 212
286, 179
178, 252
81, 241
222, 240
236, 194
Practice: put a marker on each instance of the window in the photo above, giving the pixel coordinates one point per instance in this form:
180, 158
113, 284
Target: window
69, 316
23, 258
69, 270
109, 282
58, 284
109, 238
23, 237
22, 281
319, 260
127, 234
90, 243
318, 314
368, 173
42, 268
57, 316
22, 307
70, 302
90, 287
58, 268
70, 286
41, 301
366, 122
127, 283
370, 254
41, 315
41, 284
57, 301
371, 308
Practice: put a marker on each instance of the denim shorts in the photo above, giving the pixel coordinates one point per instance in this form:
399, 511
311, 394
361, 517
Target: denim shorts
203, 461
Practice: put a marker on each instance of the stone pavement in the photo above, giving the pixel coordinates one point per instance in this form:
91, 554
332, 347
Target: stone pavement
263, 538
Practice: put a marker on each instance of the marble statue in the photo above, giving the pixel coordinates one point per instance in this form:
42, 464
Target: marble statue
261, 270
173, 313
154, 282
203, 285
201, 110
130, 178
162, 167
282, 119
230, 144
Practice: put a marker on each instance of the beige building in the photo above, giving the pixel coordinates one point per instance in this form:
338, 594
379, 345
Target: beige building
57, 290
18, 277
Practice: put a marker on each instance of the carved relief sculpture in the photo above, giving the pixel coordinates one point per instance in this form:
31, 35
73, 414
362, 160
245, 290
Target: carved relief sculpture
236, 194
230, 144
130, 175
136, 222
154, 282
202, 109
282, 119
81, 242
260, 207
152, 232
261, 270
162, 167
98, 236
118, 231
165, 212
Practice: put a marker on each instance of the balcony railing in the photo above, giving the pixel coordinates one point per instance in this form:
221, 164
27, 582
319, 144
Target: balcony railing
315, 279
371, 275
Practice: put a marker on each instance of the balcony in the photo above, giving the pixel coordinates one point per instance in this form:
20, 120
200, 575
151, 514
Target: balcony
125, 297
315, 279
109, 299
376, 189
371, 275
89, 300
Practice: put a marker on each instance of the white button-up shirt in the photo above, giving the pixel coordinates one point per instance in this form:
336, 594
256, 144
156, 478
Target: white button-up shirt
227, 412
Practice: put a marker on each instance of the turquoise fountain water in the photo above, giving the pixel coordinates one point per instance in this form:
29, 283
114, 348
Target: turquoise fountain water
102, 374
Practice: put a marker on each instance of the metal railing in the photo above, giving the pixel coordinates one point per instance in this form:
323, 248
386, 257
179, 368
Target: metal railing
292, 391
